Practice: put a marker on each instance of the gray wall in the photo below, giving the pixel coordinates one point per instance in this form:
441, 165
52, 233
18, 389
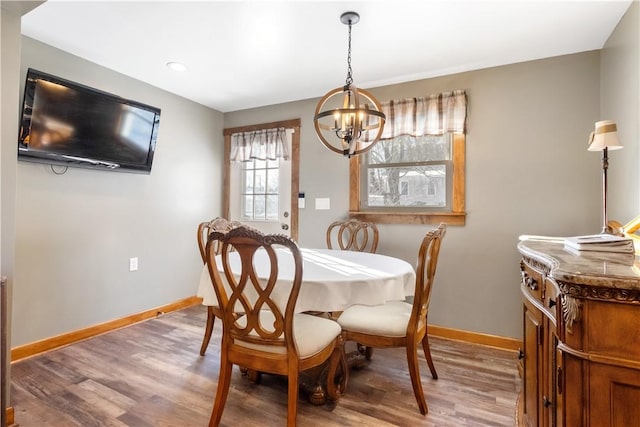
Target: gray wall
528, 172
76, 232
620, 101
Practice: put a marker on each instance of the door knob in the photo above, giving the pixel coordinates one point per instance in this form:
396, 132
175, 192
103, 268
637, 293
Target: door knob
285, 226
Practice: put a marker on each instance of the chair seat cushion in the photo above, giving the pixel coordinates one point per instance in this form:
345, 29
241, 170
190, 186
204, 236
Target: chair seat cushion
389, 319
312, 333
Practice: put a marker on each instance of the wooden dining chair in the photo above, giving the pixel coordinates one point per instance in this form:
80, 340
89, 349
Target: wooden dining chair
204, 228
399, 323
353, 234
269, 338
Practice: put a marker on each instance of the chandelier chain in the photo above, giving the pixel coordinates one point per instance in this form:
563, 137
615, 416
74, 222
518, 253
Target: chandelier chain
349, 80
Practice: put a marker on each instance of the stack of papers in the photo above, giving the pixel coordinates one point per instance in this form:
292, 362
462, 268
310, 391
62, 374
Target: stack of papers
600, 243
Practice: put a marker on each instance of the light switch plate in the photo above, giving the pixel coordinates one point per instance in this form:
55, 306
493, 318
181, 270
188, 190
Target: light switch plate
323, 203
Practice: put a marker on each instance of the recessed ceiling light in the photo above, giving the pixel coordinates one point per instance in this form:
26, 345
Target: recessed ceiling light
176, 66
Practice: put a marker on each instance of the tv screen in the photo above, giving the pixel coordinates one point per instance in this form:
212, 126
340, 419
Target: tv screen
66, 123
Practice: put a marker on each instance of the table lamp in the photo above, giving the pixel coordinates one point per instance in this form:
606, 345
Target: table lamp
604, 138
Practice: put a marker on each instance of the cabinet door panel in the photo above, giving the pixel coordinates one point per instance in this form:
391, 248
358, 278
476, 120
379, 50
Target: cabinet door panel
552, 367
575, 403
532, 325
559, 385
615, 396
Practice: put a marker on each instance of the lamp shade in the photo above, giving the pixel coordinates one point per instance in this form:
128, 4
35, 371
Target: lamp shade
604, 136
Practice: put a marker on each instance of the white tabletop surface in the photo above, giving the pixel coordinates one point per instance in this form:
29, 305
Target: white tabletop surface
332, 280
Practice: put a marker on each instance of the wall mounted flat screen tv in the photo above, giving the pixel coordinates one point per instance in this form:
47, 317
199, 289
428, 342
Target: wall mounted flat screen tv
69, 124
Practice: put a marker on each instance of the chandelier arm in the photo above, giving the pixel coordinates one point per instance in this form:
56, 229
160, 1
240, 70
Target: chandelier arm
349, 111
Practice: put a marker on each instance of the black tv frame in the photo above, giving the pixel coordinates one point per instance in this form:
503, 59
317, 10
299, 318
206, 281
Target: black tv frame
65, 159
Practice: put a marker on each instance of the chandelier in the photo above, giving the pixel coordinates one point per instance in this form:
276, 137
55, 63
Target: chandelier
347, 117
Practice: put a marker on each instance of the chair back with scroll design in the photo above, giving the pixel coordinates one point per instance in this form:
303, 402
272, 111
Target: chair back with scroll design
353, 234
204, 229
270, 336
399, 323
216, 224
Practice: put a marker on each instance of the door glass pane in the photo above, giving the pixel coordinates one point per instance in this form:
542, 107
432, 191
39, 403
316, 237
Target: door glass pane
247, 211
272, 207
260, 189
248, 181
259, 206
272, 181
260, 181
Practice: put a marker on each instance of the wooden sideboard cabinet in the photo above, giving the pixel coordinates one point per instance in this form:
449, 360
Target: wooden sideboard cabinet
580, 356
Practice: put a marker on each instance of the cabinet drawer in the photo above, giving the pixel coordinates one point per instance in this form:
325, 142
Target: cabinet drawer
532, 281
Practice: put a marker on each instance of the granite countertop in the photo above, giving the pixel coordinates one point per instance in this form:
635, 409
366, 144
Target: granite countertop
587, 268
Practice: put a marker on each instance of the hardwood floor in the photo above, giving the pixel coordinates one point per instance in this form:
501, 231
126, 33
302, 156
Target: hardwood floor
150, 374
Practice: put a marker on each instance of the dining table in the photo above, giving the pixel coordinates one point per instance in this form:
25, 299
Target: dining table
332, 280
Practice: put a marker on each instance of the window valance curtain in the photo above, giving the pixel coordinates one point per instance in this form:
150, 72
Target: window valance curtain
264, 144
432, 115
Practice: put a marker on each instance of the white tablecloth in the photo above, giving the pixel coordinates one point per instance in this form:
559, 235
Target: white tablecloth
332, 280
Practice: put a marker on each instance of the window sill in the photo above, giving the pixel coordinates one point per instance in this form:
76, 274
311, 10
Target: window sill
450, 218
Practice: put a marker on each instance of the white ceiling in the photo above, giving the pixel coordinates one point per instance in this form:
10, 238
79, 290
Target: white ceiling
244, 54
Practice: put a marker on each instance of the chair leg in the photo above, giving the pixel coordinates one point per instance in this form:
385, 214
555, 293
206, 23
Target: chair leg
427, 355
344, 368
208, 330
224, 380
292, 400
414, 373
338, 374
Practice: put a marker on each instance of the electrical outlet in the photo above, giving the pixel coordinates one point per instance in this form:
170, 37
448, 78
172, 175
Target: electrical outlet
133, 264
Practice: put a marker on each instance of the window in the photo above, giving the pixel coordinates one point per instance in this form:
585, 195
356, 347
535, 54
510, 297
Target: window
407, 172
415, 173
260, 180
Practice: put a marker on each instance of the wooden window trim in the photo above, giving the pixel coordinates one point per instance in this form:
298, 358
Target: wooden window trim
457, 216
